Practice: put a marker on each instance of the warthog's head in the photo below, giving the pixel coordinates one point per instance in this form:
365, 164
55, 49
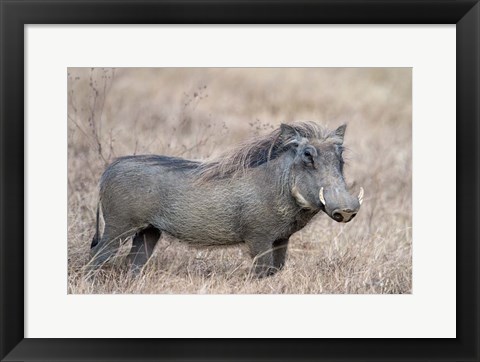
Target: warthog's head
316, 176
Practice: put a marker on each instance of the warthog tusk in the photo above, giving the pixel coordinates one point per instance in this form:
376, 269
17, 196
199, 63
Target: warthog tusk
320, 194
360, 195
300, 199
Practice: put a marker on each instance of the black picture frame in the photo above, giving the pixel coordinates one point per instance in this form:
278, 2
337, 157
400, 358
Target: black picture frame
16, 14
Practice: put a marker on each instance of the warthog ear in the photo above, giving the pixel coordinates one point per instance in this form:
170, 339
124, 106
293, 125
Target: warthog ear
289, 133
339, 133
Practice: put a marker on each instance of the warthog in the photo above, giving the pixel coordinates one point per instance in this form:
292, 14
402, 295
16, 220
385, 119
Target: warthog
258, 194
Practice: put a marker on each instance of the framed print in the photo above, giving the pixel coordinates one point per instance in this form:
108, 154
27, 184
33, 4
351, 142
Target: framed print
333, 146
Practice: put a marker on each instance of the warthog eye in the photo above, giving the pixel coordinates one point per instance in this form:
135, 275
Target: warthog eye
308, 157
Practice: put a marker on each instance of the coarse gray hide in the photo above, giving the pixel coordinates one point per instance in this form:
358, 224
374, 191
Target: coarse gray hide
259, 193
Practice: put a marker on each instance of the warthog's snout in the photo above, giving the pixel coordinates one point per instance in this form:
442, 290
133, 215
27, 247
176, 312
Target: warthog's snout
344, 215
349, 208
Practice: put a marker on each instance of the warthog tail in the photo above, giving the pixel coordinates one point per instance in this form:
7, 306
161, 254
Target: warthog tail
96, 236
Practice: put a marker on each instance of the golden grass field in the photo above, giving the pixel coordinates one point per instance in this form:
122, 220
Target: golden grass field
200, 112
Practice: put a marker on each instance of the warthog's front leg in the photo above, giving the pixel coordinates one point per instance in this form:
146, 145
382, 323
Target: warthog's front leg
262, 254
280, 253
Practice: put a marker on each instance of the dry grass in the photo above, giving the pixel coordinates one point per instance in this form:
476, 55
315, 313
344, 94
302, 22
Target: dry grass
198, 113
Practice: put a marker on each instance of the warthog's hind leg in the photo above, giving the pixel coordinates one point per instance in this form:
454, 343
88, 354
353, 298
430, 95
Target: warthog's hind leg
280, 253
105, 248
143, 244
